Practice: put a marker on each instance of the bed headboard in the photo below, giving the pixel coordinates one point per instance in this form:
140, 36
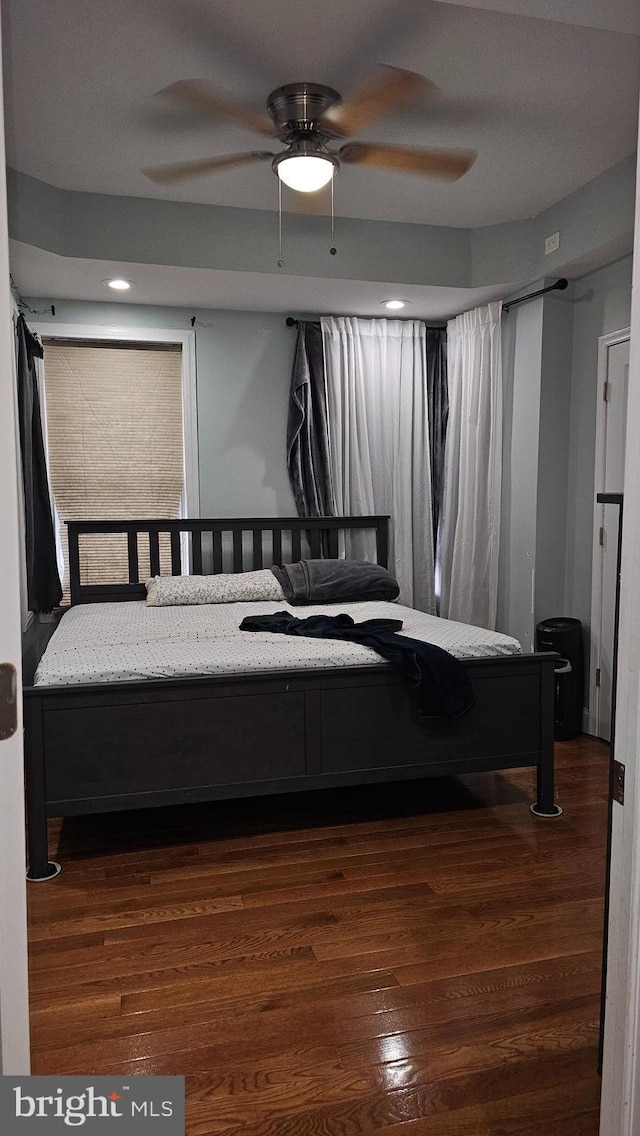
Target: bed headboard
240, 541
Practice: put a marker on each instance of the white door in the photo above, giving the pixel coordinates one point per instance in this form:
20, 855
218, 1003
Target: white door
14, 1010
613, 375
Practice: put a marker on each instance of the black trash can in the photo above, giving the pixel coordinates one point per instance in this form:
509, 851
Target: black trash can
564, 635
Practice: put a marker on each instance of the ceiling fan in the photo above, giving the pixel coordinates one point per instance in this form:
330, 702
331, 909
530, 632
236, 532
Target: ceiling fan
306, 117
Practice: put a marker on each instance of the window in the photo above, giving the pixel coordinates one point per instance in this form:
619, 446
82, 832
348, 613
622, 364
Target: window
115, 437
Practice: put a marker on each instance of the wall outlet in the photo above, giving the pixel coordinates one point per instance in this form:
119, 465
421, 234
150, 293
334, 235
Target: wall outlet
552, 243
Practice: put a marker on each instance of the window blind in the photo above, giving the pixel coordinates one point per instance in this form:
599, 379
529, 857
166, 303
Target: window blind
114, 426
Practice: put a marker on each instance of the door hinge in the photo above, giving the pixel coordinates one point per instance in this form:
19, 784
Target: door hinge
597, 676
601, 536
606, 390
8, 701
618, 782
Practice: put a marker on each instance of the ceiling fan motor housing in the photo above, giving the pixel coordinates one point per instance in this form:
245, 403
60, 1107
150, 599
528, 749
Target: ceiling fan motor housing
297, 108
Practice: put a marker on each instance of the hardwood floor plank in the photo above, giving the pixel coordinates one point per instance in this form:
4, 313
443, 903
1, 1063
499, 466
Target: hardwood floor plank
279, 1094
362, 1017
485, 1047
494, 952
581, 918
207, 1003
529, 1026
403, 960
146, 944
133, 916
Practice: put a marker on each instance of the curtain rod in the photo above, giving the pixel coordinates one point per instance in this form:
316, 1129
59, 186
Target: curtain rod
291, 322
559, 285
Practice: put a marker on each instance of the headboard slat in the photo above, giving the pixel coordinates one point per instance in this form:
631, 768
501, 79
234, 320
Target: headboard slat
176, 554
132, 557
296, 545
276, 545
321, 533
216, 536
154, 552
237, 550
196, 553
315, 543
74, 567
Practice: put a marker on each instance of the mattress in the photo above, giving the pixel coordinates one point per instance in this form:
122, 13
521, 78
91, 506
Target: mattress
123, 642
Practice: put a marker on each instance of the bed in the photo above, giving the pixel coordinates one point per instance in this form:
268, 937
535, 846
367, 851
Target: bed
127, 737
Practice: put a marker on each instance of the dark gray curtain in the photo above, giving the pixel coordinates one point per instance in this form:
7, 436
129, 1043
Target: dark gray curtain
307, 433
438, 398
44, 591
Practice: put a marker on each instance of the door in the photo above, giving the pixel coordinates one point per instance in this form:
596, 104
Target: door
613, 375
14, 1015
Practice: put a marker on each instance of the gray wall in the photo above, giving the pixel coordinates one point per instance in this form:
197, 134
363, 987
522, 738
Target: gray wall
553, 454
602, 304
595, 224
244, 368
550, 374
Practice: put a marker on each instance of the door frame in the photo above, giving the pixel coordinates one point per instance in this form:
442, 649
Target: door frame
14, 989
620, 1107
604, 343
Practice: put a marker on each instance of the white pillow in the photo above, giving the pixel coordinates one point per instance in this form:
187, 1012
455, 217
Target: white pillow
230, 587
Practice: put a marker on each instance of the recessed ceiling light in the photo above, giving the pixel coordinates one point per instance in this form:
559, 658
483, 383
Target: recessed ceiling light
394, 305
119, 285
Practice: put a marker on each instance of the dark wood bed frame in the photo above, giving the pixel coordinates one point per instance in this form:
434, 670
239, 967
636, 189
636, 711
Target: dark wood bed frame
126, 745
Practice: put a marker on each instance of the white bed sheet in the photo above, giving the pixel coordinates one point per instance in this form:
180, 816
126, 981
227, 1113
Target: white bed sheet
118, 642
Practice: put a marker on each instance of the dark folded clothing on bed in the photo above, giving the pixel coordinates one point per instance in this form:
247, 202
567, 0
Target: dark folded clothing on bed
335, 581
439, 684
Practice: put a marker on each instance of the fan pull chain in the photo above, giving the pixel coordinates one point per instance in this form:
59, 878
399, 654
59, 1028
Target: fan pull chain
333, 250
280, 261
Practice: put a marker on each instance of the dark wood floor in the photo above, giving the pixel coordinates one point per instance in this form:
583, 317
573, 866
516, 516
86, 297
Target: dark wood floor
410, 960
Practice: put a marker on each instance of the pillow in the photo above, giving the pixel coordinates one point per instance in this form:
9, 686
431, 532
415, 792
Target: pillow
335, 581
225, 587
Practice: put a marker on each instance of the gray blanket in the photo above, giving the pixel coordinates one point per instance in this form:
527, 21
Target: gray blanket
335, 581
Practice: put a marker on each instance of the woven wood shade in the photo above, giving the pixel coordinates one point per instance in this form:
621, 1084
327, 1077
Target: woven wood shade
114, 428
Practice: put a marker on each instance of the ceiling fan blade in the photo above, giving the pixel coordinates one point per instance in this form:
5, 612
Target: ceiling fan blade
201, 95
449, 164
182, 171
394, 89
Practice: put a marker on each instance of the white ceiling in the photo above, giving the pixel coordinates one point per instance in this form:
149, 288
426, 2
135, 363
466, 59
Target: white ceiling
548, 103
613, 15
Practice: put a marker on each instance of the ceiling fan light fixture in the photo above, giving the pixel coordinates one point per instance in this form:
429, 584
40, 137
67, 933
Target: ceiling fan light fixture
305, 172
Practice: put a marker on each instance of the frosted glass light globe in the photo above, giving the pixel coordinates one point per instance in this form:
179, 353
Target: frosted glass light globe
305, 172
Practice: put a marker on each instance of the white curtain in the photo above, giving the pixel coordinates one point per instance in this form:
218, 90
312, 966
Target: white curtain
470, 525
376, 375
